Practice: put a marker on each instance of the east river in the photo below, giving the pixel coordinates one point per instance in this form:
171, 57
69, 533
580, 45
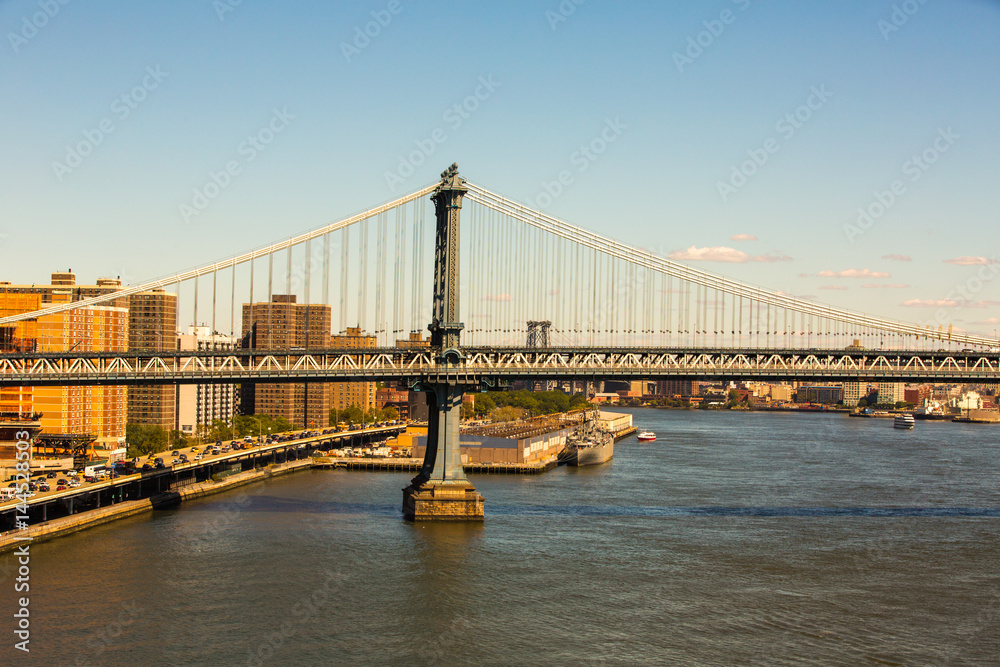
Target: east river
734, 539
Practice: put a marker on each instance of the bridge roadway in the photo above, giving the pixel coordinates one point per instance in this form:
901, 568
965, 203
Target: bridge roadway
145, 483
496, 364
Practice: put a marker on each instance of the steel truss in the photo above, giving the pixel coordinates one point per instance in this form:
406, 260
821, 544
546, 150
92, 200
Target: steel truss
479, 363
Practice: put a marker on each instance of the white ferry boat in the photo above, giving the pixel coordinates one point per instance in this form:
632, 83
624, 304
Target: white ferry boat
903, 421
646, 436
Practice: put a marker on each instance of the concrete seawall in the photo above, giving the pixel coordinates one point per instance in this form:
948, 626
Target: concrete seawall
90, 518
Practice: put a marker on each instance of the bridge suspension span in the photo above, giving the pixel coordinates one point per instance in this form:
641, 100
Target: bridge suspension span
371, 272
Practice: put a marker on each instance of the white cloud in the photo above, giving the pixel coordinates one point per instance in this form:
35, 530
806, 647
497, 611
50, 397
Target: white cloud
742, 237
968, 260
720, 254
772, 258
723, 254
989, 320
898, 258
946, 302
837, 287
883, 286
930, 303
853, 273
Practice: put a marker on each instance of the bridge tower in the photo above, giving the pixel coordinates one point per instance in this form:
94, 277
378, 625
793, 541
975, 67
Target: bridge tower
441, 491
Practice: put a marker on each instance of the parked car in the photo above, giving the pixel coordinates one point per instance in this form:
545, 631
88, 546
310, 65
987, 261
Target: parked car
146, 466
43, 487
60, 488
51, 475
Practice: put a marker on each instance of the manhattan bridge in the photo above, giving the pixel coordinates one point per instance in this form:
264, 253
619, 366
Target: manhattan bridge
512, 293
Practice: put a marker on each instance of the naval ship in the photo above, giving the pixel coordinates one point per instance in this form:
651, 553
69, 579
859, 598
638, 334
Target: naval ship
588, 445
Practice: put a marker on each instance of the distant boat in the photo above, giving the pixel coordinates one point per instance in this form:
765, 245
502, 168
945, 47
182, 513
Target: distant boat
903, 421
646, 436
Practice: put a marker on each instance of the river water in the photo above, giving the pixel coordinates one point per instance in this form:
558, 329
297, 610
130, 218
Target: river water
763, 538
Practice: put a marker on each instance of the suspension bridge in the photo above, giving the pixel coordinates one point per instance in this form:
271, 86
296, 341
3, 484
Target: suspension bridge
540, 298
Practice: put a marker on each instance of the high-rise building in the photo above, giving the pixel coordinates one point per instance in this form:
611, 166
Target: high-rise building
362, 394
672, 388
98, 411
890, 392
854, 392
201, 404
152, 327
283, 324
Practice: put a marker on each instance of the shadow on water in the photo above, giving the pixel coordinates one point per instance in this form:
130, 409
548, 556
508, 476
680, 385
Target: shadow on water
719, 511
281, 505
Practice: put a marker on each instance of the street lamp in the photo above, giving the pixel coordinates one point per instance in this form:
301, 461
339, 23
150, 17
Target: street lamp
257, 419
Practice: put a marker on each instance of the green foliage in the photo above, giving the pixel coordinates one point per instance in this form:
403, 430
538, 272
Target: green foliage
146, 439
507, 413
468, 410
243, 425
484, 405
535, 402
734, 398
353, 414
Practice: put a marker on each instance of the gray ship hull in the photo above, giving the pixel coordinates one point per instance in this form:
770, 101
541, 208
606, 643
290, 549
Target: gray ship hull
594, 454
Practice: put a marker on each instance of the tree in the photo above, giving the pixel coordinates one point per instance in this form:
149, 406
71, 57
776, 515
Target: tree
145, 439
507, 413
468, 410
484, 405
388, 414
537, 402
734, 398
353, 415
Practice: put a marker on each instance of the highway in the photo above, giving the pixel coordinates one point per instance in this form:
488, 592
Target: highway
252, 450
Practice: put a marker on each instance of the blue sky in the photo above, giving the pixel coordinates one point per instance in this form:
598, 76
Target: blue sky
886, 81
